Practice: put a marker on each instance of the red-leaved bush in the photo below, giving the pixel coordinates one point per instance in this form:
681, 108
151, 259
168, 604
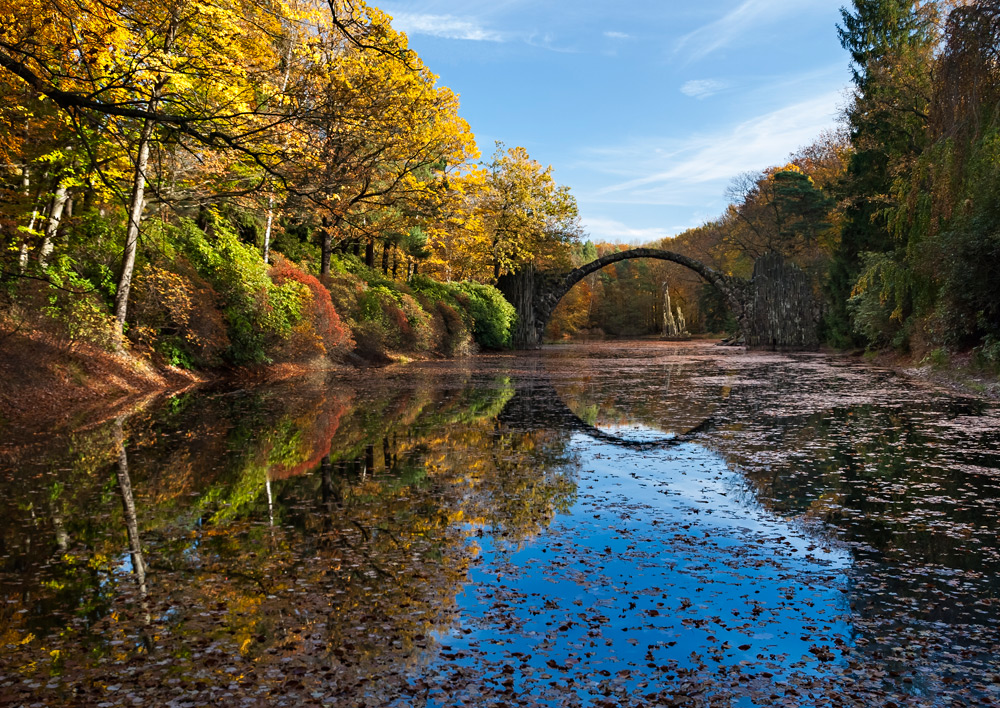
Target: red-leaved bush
320, 331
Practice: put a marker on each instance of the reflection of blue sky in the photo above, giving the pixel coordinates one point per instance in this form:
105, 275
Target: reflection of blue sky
636, 432
663, 558
648, 109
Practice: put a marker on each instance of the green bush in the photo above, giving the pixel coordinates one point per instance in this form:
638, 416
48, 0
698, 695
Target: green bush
878, 307
987, 354
347, 293
493, 318
484, 309
75, 310
259, 314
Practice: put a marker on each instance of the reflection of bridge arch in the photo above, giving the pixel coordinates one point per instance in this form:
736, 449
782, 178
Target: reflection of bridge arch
539, 404
775, 309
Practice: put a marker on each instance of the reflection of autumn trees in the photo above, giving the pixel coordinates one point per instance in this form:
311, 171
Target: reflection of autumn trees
912, 490
875, 473
279, 528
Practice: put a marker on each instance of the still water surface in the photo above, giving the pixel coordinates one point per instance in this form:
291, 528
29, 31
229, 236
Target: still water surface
593, 525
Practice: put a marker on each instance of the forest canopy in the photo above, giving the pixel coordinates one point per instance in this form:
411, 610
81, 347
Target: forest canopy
157, 156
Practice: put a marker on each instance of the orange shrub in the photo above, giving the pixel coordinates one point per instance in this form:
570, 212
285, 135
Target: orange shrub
320, 330
178, 313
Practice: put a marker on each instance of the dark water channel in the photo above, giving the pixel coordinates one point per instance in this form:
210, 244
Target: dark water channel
600, 525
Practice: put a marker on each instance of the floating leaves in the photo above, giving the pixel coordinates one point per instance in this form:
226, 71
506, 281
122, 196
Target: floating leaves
454, 534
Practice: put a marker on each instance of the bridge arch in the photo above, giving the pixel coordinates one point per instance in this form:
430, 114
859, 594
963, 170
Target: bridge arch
775, 309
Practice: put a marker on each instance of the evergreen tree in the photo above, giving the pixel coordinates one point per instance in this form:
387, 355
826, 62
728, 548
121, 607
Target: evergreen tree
891, 45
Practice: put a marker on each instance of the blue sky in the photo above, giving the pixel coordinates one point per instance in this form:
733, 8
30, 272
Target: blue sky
646, 109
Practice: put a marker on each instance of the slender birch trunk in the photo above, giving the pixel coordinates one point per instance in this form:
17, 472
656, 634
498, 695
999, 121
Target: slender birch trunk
135, 208
270, 198
52, 226
267, 229
137, 202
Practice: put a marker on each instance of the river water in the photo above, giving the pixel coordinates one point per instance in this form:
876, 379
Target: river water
590, 525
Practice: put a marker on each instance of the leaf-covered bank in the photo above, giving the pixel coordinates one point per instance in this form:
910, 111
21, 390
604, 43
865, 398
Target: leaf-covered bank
205, 305
249, 187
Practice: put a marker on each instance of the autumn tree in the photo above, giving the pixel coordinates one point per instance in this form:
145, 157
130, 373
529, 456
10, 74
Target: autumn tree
780, 210
380, 138
527, 217
129, 76
936, 288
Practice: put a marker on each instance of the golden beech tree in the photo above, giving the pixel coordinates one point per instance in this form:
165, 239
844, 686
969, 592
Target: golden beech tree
527, 217
457, 233
379, 135
504, 215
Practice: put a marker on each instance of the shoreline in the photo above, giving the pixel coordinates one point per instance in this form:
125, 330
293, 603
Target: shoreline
49, 389
959, 374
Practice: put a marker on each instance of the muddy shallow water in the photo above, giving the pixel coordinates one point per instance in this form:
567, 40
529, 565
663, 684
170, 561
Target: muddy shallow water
610, 524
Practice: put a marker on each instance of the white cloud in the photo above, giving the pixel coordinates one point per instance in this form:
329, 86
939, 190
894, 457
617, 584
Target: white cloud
715, 35
445, 26
616, 35
608, 230
703, 88
694, 170
547, 41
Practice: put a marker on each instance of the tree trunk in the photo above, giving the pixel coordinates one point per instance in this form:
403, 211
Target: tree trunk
385, 258
136, 205
270, 197
326, 247
267, 229
52, 226
23, 257
370, 253
138, 200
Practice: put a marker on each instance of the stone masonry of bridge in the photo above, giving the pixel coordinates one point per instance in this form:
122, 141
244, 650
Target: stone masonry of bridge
775, 309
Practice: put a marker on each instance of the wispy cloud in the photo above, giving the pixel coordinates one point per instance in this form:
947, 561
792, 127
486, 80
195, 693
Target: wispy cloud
694, 170
445, 26
720, 33
548, 41
600, 229
617, 35
703, 88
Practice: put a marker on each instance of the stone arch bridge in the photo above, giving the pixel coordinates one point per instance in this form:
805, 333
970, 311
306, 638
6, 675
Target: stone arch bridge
775, 308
